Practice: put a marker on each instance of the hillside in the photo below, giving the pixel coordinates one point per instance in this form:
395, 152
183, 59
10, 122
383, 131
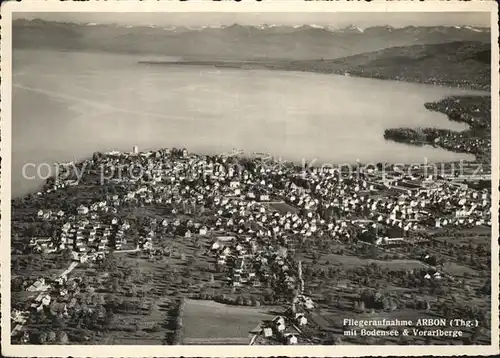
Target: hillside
456, 64
235, 42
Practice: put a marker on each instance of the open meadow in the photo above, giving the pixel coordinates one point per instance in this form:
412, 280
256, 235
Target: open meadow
220, 322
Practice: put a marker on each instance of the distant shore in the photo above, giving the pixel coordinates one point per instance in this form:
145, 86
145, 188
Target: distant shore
312, 66
459, 64
475, 111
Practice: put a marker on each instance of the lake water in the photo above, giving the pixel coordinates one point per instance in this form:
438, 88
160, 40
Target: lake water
68, 105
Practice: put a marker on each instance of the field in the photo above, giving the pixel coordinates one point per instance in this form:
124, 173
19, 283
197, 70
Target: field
477, 237
458, 270
354, 261
209, 321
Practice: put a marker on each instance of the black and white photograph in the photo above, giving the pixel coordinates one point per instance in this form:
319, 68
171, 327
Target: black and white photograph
250, 179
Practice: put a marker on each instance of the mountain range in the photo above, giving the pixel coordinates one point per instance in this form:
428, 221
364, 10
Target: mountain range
234, 41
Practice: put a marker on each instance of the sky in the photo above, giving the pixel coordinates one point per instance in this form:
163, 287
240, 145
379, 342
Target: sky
396, 19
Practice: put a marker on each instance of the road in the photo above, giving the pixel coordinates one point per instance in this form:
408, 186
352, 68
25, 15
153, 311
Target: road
125, 251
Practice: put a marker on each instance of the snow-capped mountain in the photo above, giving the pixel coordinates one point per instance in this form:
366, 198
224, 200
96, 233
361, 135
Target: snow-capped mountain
352, 28
235, 41
473, 29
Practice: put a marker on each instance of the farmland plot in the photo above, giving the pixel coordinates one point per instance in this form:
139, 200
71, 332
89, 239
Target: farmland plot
209, 320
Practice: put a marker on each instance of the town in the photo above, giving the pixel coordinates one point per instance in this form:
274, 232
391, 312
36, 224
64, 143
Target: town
287, 251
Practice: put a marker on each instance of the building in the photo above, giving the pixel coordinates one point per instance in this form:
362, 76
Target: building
279, 323
82, 210
301, 319
291, 338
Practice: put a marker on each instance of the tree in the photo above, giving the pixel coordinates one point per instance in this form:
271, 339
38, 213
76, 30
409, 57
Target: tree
59, 322
96, 156
362, 306
115, 286
109, 317
393, 304
42, 338
133, 290
66, 255
51, 336
385, 304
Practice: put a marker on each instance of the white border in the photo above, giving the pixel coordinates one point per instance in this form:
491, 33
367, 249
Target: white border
231, 6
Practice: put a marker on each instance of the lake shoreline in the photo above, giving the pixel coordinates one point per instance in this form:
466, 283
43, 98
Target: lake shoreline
475, 111
300, 67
